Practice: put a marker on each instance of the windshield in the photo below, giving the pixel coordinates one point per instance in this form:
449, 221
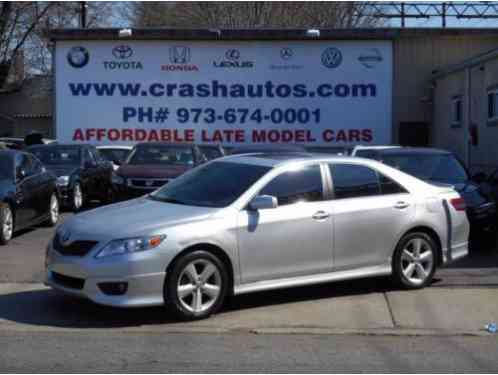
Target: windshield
162, 154
439, 168
114, 154
216, 184
210, 152
6, 167
58, 155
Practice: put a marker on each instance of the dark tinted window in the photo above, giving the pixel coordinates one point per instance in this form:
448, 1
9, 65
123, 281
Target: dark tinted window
23, 163
114, 154
368, 154
162, 154
352, 181
431, 167
36, 166
216, 184
6, 167
304, 184
210, 152
58, 155
388, 186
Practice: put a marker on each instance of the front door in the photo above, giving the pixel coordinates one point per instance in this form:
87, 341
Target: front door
293, 239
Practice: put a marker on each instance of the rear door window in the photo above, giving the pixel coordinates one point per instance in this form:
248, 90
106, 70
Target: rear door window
354, 181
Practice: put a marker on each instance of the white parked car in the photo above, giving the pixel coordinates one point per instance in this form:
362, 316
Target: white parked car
115, 154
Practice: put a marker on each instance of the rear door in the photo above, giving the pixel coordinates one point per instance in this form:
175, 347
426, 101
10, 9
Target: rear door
25, 191
369, 212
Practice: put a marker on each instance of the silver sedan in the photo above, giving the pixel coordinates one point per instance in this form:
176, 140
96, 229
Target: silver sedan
256, 222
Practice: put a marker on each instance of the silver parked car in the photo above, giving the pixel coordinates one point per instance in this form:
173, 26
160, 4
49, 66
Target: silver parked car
255, 222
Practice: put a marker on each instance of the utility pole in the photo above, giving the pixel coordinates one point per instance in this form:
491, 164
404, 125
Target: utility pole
402, 15
443, 15
83, 14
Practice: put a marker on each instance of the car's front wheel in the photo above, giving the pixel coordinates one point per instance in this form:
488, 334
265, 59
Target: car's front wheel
53, 211
196, 285
414, 261
6, 224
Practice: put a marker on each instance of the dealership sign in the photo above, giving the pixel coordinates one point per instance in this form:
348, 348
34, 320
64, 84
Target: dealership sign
334, 93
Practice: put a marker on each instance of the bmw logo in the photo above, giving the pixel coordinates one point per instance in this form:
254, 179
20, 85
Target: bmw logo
78, 57
331, 57
122, 52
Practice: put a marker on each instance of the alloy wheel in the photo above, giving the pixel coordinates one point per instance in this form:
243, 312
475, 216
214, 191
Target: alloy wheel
77, 197
199, 285
8, 224
417, 260
54, 209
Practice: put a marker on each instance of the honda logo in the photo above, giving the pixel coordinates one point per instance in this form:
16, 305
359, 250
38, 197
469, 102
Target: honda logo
179, 55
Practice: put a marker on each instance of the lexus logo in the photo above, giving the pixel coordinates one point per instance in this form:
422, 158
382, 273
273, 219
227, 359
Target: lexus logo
232, 54
179, 55
122, 52
286, 53
331, 57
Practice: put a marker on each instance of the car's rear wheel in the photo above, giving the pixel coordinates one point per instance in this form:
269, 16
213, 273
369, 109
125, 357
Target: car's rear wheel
414, 261
78, 198
6, 224
53, 211
196, 286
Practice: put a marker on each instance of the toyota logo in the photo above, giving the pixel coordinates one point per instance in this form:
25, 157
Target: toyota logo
78, 57
232, 54
286, 53
122, 52
331, 57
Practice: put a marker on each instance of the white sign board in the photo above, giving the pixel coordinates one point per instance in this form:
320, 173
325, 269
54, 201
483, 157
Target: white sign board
324, 93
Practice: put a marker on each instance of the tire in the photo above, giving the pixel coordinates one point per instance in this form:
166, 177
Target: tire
6, 224
412, 271
212, 290
77, 196
54, 211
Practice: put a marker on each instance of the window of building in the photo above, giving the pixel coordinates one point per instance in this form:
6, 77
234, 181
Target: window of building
493, 104
456, 111
302, 185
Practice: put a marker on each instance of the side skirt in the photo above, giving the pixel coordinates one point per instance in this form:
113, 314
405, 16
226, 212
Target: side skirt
380, 270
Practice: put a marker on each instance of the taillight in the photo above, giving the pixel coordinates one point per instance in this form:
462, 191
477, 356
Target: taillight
458, 204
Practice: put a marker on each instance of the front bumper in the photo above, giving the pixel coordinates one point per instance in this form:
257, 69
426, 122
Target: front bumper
81, 276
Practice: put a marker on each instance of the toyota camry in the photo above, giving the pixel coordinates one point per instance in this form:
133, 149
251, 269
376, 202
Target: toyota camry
254, 222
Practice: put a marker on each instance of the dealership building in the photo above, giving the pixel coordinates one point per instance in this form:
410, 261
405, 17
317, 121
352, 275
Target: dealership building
420, 87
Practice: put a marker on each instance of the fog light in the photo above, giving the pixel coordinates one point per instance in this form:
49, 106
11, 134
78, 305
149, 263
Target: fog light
113, 289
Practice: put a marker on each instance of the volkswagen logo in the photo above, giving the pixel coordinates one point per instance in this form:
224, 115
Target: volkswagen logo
331, 57
232, 54
179, 55
78, 57
286, 53
122, 52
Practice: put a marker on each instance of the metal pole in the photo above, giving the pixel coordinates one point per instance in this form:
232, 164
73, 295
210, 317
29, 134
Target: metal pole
402, 15
83, 14
443, 15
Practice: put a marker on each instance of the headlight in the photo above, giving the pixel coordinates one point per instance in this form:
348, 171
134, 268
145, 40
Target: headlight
130, 245
63, 180
117, 179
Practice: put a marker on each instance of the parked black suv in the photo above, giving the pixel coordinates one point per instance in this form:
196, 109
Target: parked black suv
82, 173
443, 167
151, 165
28, 194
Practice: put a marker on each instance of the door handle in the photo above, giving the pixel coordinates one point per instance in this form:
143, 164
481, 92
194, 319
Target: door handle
320, 215
401, 205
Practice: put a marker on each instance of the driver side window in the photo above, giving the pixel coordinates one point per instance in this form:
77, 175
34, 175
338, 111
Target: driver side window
23, 165
302, 185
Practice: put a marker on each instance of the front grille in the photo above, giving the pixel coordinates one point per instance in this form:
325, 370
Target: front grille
68, 281
76, 248
147, 183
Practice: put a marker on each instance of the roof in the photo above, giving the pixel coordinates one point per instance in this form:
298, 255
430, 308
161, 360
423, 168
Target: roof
171, 144
115, 147
9, 153
55, 144
468, 63
413, 151
263, 34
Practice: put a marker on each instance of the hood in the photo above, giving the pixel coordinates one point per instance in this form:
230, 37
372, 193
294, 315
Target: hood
61, 170
151, 171
135, 217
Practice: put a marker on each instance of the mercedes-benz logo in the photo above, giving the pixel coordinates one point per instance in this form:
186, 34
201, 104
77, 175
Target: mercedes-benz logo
122, 52
286, 53
232, 54
78, 57
331, 57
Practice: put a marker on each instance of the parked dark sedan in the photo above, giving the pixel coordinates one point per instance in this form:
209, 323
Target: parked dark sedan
151, 165
443, 167
82, 173
28, 194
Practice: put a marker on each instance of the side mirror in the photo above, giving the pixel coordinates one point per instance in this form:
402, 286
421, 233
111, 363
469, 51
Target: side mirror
21, 174
263, 202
